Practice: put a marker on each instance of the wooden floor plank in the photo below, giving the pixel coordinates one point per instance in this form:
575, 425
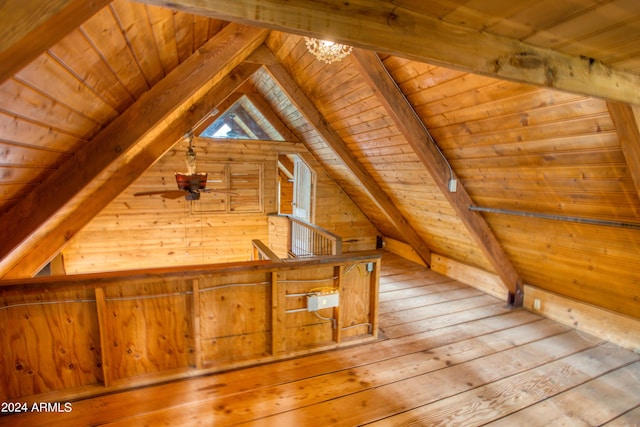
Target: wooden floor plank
448, 355
515, 392
419, 289
304, 393
401, 396
419, 313
432, 296
631, 418
595, 402
454, 318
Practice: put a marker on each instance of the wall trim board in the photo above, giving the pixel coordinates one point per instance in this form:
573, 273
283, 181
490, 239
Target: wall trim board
403, 249
616, 328
477, 278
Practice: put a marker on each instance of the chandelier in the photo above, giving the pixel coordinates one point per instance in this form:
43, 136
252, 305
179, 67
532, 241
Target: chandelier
327, 51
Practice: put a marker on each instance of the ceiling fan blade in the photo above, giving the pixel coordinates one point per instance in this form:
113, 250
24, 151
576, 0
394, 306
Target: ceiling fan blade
218, 190
171, 194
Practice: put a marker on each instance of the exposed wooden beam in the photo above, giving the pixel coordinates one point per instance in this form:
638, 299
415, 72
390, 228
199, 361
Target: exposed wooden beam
385, 26
399, 109
66, 196
626, 118
337, 145
29, 27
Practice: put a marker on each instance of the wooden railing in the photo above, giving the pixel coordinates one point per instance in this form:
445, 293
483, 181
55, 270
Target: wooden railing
308, 240
262, 252
66, 337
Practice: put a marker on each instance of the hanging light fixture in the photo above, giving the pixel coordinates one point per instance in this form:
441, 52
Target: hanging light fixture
327, 51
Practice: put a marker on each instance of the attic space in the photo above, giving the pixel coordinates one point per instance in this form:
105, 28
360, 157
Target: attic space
480, 155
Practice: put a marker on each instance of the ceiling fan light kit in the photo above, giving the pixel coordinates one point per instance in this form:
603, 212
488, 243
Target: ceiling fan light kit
192, 184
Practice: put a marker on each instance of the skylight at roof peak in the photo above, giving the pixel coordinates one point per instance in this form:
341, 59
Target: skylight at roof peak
242, 120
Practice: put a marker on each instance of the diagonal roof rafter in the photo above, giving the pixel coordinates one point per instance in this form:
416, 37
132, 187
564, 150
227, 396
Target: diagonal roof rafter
25, 229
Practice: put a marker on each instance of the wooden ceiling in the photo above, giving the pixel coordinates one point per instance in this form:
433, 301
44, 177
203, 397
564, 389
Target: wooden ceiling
533, 103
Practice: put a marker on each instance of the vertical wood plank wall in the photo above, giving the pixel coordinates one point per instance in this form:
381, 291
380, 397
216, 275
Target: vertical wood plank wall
82, 335
150, 232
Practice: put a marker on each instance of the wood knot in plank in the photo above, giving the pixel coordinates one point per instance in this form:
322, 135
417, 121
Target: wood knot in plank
526, 60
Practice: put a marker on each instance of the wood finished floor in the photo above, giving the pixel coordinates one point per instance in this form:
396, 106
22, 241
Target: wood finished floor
449, 355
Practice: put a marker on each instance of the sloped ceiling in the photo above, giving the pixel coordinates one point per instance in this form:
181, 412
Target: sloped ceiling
79, 122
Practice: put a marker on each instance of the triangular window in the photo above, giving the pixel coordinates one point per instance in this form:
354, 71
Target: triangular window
242, 120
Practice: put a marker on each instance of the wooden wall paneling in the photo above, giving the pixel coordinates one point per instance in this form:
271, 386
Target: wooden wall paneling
586, 262
401, 111
235, 317
468, 49
476, 278
620, 329
197, 329
68, 337
303, 328
30, 28
338, 312
356, 316
50, 340
279, 235
103, 319
278, 314
149, 328
374, 293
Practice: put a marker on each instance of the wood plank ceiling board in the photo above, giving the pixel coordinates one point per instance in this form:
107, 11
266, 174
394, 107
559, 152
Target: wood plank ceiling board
23, 227
134, 17
389, 28
103, 32
27, 28
432, 158
306, 107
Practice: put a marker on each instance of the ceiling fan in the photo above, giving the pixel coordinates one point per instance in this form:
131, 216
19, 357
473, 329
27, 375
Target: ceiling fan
190, 184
